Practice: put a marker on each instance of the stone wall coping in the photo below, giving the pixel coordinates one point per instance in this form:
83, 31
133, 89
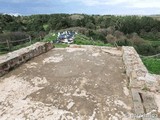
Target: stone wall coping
14, 54
16, 58
136, 71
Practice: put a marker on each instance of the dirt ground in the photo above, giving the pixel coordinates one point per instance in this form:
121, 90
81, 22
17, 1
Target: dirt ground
68, 84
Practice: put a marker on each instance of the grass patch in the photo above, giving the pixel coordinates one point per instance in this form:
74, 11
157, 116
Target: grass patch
89, 42
16, 47
61, 45
84, 40
3, 52
155, 43
50, 37
20, 46
24, 44
152, 64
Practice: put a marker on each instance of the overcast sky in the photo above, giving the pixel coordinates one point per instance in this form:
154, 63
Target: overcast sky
116, 7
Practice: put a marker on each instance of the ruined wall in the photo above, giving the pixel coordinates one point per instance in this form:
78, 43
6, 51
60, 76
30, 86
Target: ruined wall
137, 73
145, 87
14, 59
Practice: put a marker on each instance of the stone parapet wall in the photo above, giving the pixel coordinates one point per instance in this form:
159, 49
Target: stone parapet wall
136, 71
145, 87
16, 58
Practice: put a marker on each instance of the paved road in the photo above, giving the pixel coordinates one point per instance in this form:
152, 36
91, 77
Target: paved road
68, 83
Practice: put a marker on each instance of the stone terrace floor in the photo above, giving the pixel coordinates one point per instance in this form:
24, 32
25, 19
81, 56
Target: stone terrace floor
68, 84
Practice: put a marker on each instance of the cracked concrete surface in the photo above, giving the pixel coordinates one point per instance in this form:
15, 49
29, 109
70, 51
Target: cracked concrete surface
68, 84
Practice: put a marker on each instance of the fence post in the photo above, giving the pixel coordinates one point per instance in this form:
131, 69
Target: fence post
8, 44
30, 40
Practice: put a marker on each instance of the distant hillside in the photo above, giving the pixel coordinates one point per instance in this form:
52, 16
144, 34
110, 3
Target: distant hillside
156, 17
142, 32
76, 16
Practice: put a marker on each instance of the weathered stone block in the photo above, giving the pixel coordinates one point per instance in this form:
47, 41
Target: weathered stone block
138, 106
135, 69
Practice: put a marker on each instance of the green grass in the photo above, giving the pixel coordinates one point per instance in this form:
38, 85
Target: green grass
84, 40
153, 41
20, 46
157, 43
13, 48
3, 52
50, 37
152, 64
89, 42
53, 37
24, 44
61, 45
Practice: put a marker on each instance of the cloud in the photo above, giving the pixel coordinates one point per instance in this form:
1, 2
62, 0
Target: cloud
24, 1
86, 2
13, 1
125, 3
13, 14
145, 4
81, 6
